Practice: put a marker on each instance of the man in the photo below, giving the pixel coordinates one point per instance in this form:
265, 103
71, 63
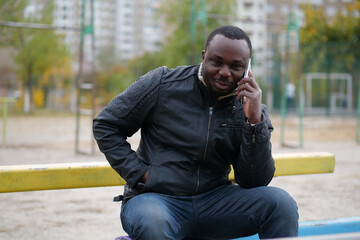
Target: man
193, 127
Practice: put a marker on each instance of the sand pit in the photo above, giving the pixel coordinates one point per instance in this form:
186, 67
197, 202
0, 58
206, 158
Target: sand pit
91, 214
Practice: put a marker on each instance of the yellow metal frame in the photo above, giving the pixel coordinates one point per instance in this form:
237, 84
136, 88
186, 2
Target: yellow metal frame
18, 178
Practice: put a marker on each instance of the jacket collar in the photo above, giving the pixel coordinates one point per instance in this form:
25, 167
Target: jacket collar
200, 77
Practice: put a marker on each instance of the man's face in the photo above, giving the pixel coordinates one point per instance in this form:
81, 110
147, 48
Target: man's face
224, 63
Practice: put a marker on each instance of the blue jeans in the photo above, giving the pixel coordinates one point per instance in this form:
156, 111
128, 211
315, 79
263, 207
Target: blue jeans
226, 212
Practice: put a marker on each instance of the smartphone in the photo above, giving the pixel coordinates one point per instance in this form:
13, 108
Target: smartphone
246, 74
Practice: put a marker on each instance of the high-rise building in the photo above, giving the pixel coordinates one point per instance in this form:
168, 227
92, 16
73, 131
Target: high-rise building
127, 27
137, 30
67, 13
130, 27
251, 15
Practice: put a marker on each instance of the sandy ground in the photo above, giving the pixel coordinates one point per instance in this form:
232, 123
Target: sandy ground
91, 214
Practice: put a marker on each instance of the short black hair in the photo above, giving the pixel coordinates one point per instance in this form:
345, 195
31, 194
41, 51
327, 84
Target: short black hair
231, 32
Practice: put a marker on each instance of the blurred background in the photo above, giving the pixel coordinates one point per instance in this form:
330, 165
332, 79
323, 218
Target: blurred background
308, 47
75, 56
62, 61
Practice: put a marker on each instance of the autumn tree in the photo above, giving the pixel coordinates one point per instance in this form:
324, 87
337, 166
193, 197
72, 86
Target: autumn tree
179, 46
331, 45
176, 49
36, 50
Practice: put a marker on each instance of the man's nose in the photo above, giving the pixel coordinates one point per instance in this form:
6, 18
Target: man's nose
225, 71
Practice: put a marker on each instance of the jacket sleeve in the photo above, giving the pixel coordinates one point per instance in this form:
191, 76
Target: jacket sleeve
123, 117
254, 166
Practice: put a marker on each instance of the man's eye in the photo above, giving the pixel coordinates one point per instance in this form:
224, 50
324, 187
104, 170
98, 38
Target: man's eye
217, 63
236, 67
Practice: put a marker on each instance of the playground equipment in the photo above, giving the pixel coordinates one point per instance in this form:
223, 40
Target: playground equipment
197, 15
292, 57
19, 178
342, 98
4, 102
358, 120
327, 92
85, 81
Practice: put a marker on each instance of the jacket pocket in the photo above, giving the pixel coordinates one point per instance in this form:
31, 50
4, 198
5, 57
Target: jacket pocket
152, 176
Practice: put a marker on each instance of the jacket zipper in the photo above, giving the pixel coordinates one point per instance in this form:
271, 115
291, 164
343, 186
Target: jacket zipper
231, 125
206, 147
253, 136
253, 151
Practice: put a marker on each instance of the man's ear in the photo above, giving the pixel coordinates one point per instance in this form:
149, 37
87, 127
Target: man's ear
203, 54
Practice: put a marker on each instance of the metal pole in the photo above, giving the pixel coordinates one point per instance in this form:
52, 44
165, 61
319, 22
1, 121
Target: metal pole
37, 26
4, 111
87, 26
79, 75
300, 96
93, 77
283, 108
328, 81
301, 114
358, 118
204, 18
195, 16
192, 31
4, 101
293, 27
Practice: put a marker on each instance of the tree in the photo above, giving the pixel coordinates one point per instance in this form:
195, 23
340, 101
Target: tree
178, 46
54, 81
11, 11
332, 45
36, 50
179, 17
40, 52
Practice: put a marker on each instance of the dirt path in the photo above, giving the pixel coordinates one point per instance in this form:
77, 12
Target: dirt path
91, 214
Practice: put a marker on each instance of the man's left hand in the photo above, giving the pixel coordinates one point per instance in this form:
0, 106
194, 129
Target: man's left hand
250, 90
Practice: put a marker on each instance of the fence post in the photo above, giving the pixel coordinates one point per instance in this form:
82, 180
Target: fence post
4, 102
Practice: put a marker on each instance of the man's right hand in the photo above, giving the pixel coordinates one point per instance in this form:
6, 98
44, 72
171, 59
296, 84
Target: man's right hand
144, 177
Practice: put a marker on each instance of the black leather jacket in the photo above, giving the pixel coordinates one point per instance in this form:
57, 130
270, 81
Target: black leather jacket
189, 138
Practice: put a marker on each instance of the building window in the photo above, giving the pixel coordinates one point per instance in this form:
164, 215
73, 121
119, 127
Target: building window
285, 9
331, 11
270, 8
248, 4
317, 2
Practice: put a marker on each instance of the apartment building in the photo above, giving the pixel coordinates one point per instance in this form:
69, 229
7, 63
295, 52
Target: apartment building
67, 13
130, 27
252, 18
137, 29
127, 27
266, 21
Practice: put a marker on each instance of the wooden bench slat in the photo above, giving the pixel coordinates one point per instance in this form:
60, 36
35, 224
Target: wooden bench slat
18, 178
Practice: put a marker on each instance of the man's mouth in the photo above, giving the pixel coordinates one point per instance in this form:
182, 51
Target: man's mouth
222, 85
